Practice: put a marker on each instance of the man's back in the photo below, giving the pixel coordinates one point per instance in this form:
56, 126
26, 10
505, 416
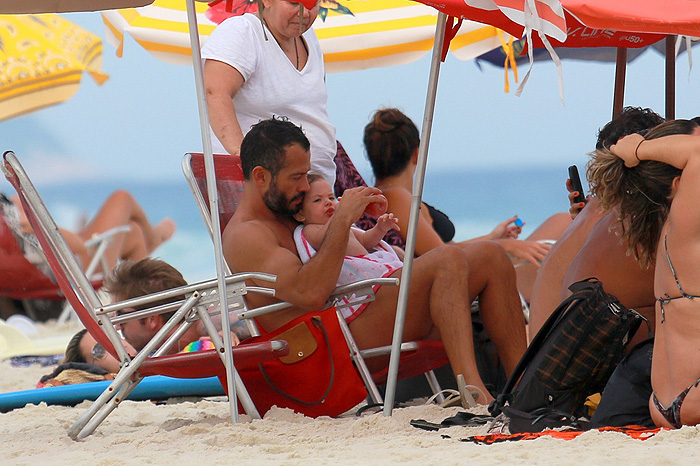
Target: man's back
591, 247
604, 255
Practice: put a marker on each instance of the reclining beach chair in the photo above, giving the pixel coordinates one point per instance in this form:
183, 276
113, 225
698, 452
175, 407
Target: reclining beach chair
418, 357
24, 281
154, 359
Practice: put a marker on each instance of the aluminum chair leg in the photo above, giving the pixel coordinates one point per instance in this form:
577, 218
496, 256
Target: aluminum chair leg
241, 390
435, 386
101, 414
115, 388
359, 361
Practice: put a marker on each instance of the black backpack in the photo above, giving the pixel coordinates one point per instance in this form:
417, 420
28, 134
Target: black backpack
570, 358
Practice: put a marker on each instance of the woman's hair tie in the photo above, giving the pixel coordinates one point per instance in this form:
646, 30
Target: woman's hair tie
636, 155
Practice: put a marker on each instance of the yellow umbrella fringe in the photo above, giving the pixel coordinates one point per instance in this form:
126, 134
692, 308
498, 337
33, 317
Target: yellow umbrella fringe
509, 60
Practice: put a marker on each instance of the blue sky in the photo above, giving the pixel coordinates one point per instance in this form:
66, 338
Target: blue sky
141, 121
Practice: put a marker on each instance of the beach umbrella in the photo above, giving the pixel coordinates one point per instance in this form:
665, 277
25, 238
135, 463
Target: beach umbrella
590, 22
159, 29
42, 60
353, 34
20, 7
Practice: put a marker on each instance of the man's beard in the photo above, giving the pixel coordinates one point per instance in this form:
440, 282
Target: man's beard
279, 204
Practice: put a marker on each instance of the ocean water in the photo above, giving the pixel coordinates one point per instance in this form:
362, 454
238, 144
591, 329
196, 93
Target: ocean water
475, 200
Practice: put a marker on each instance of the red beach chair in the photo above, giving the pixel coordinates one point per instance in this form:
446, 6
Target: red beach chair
418, 357
190, 303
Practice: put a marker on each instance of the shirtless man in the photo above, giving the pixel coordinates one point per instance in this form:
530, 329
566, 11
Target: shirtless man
133, 279
592, 247
275, 161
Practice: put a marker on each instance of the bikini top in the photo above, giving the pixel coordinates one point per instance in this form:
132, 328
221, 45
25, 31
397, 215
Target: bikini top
442, 224
665, 299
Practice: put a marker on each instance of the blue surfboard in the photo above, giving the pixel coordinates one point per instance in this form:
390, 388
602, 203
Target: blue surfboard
155, 387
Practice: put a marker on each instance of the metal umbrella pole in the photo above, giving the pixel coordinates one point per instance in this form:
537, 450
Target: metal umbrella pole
231, 373
428, 112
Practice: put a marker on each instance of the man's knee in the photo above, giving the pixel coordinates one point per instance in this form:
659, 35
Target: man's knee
450, 258
489, 253
441, 262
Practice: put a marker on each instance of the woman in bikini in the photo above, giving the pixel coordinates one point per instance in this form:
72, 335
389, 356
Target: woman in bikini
391, 141
654, 180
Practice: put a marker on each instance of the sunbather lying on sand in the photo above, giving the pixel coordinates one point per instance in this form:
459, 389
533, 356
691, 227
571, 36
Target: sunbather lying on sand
119, 209
133, 279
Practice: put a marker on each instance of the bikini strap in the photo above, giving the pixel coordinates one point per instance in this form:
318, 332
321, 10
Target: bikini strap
670, 264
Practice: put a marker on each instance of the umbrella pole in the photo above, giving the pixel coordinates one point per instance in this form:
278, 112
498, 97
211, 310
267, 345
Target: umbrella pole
670, 77
419, 177
620, 71
231, 373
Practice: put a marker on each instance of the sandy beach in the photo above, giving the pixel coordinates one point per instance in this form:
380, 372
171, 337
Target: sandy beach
197, 431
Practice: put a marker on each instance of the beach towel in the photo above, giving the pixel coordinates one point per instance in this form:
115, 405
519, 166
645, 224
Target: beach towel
636, 432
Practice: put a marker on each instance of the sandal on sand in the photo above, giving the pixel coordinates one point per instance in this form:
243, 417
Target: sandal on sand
459, 419
466, 396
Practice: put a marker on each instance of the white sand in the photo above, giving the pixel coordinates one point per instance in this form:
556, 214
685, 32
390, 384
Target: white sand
197, 432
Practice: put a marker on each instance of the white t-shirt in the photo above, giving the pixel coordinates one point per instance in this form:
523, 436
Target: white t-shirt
274, 87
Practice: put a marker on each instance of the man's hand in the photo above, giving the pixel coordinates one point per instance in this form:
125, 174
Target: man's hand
354, 201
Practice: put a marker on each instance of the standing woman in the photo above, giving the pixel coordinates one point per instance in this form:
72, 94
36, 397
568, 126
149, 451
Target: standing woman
655, 179
265, 65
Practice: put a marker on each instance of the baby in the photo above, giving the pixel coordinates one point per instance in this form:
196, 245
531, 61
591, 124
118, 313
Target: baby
319, 206
367, 256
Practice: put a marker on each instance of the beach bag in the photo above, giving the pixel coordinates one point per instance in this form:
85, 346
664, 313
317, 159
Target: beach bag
317, 378
570, 358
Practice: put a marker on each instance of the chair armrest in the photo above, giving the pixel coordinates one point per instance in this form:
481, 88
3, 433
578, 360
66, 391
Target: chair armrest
97, 238
362, 287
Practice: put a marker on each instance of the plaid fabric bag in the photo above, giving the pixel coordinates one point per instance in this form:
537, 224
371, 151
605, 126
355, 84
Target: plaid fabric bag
570, 358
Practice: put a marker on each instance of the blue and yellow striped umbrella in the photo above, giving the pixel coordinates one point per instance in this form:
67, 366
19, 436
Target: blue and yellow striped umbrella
42, 59
354, 34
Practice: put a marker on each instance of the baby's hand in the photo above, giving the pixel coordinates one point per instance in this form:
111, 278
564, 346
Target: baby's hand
387, 221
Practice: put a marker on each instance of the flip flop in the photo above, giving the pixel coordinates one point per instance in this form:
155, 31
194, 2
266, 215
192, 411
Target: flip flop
459, 419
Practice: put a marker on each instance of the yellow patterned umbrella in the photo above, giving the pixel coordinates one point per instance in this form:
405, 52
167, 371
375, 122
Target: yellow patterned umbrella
354, 34
42, 59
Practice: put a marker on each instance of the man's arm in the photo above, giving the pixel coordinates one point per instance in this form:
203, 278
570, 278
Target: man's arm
222, 83
308, 286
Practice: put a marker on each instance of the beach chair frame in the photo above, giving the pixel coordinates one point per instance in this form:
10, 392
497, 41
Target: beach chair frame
153, 359
418, 357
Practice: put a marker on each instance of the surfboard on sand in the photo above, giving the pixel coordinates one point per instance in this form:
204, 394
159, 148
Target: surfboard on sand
155, 387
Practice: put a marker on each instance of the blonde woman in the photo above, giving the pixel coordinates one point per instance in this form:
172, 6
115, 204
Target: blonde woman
655, 181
